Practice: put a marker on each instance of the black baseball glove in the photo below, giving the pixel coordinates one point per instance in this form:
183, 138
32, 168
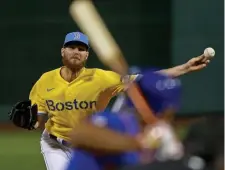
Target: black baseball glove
24, 115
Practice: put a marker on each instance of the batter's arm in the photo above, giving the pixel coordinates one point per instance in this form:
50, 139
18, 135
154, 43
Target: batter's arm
93, 137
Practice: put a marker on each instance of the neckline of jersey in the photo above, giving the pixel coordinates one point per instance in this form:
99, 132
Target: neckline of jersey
60, 78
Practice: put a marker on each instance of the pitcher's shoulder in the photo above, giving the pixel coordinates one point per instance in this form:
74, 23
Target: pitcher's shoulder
49, 74
105, 73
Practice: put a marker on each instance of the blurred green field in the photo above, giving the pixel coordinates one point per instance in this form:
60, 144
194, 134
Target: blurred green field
20, 151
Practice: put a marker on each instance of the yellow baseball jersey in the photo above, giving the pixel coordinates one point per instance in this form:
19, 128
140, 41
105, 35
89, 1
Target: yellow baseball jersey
66, 103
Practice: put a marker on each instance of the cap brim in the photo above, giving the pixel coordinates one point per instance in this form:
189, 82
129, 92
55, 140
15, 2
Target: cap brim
75, 43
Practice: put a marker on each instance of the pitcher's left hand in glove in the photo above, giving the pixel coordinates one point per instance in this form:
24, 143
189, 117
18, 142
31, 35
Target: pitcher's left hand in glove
24, 115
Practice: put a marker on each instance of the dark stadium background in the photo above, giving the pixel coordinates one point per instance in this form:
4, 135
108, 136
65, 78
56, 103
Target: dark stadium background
160, 33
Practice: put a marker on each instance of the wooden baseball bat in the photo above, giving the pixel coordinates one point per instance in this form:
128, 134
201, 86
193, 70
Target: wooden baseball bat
88, 19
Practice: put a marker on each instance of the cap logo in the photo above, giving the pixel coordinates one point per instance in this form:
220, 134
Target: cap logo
76, 35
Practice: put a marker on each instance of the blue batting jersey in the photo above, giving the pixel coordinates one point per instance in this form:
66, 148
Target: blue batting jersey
124, 123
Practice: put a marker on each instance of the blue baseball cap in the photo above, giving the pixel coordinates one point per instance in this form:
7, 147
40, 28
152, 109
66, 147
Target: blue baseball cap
76, 37
159, 90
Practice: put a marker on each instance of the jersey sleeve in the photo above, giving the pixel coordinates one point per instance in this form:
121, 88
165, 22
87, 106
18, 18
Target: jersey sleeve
36, 98
116, 83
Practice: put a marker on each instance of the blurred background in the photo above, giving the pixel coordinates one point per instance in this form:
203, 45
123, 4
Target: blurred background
161, 33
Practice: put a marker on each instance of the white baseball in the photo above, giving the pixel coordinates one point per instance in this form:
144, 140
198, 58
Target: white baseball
209, 52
